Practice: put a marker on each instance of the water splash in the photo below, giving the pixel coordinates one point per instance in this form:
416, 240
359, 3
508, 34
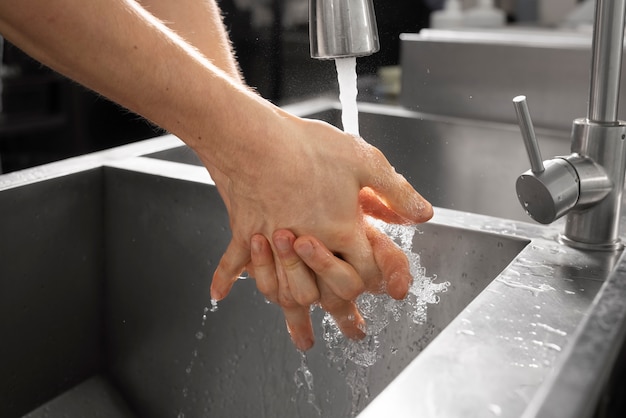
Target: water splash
379, 311
303, 378
213, 305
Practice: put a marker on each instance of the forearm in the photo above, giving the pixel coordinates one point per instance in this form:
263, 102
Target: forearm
199, 23
122, 52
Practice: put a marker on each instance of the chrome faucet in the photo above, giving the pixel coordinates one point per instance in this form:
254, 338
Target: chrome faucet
588, 184
342, 28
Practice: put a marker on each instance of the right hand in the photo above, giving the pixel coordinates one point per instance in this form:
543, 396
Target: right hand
311, 179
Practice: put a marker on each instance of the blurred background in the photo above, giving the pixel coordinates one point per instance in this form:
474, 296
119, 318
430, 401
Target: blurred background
45, 117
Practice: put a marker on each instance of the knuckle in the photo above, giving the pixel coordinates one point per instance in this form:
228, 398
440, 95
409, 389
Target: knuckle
286, 300
292, 263
307, 298
269, 289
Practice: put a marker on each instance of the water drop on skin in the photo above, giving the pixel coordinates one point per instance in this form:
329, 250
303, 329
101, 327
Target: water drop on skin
213, 305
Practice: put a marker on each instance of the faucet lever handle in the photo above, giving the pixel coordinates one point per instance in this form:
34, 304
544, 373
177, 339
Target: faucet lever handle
547, 191
528, 134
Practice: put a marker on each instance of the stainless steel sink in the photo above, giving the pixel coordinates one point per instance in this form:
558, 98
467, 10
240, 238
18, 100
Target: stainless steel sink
109, 275
245, 361
104, 290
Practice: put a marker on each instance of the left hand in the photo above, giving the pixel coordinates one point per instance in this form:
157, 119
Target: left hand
305, 270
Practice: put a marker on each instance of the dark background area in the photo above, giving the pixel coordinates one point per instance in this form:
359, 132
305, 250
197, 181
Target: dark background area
45, 117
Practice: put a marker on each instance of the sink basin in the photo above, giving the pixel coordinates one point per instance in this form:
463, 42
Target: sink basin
120, 286
106, 265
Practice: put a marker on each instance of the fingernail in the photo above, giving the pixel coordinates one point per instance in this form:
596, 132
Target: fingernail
215, 295
256, 245
304, 248
282, 243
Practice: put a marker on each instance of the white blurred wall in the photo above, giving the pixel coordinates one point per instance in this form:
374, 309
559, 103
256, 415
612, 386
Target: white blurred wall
552, 12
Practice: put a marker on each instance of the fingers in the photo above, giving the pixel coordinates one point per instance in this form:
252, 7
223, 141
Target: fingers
340, 277
273, 281
339, 284
393, 263
393, 189
263, 267
373, 206
344, 312
362, 259
301, 282
229, 268
298, 320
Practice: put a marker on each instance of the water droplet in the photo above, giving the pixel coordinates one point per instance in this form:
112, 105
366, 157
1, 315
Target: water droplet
549, 328
304, 373
213, 305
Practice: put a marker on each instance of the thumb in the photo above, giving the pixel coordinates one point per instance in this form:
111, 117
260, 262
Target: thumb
372, 206
393, 190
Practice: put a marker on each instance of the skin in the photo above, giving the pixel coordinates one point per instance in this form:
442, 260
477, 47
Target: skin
296, 190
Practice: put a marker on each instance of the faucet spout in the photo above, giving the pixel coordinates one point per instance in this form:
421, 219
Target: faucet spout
342, 28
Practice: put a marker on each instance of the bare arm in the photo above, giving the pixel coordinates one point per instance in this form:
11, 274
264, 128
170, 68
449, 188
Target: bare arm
274, 170
199, 23
124, 53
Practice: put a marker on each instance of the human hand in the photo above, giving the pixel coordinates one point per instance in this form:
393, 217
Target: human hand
308, 179
304, 265
305, 260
